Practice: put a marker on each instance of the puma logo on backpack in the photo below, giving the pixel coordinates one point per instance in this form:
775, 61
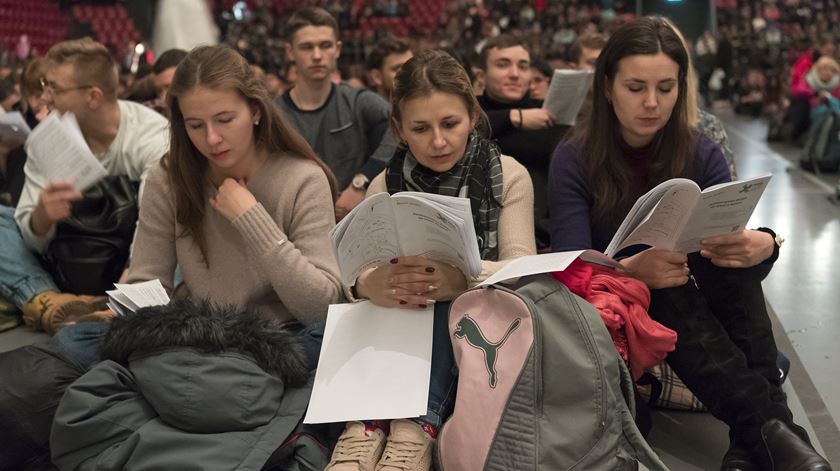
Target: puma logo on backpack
471, 332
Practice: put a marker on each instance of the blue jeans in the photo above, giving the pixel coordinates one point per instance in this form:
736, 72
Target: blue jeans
81, 343
444, 379
21, 274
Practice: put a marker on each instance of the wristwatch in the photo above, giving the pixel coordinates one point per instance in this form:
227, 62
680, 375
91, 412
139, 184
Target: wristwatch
360, 182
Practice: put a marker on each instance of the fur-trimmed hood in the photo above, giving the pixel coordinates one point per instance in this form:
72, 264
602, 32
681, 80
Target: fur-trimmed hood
189, 386
211, 329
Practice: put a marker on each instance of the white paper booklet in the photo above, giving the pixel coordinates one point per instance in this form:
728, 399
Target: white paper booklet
13, 128
566, 94
131, 297
546, 263
676, 215
375, 363
408, 223
60, 152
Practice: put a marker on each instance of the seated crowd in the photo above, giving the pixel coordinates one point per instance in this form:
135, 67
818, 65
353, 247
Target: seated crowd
239, 188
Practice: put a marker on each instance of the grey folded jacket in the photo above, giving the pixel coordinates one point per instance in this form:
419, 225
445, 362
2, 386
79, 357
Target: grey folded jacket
199, 388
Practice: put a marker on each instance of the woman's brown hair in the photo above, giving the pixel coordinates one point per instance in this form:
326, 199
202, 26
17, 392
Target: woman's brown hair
598, 136
434, 71
222, 68
31, 78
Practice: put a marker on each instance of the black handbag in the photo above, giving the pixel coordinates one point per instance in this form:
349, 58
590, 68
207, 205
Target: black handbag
90, 248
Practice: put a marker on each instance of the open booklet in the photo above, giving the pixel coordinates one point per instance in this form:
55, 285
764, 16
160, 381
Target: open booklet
13, 128
59, 150
566, 94
677, 216
131, 297
408, 223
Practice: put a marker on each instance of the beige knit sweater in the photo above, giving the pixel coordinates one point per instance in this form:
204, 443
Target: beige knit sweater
276, 258
516, 221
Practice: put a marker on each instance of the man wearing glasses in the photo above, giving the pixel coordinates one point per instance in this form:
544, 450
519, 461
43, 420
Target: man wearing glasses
127, 138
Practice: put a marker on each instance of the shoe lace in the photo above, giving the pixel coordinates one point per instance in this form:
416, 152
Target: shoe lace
400, 454
354, 448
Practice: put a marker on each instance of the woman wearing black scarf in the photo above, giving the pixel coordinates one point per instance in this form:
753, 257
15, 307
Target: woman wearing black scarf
436, 116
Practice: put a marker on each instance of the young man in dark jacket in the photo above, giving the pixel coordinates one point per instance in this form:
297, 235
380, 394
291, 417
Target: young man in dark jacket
521, 127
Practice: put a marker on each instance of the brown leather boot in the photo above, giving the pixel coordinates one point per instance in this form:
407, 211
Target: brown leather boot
49, 311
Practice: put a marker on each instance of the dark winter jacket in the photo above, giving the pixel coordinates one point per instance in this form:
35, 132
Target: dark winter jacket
32, 381
184, 386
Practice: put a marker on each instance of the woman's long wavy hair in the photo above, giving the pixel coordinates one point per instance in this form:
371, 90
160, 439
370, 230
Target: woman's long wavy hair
221, 68
598, 136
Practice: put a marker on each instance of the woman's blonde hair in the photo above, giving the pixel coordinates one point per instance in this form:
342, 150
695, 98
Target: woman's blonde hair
826, 61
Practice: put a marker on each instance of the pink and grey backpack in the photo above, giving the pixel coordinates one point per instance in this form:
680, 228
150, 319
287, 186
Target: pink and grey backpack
540, 385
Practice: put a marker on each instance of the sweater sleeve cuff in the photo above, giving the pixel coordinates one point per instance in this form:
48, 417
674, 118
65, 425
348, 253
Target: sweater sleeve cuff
775, 256
35, 242
259, 230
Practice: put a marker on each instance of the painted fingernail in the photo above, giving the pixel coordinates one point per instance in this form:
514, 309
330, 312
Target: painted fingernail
422, 306
403, 302
394, 260
430, 269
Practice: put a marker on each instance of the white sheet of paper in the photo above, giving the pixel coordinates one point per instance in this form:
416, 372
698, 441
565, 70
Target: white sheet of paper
546, 263
121, 301
115, 308
566, 93
375, 363
13, 127
58, 147
145, 294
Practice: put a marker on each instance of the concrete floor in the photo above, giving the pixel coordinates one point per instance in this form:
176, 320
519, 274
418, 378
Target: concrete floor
803, 291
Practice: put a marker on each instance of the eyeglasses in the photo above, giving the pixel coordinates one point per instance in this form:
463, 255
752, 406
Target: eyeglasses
56, 90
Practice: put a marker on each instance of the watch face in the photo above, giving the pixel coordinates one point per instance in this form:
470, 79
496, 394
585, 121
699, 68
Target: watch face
360, 182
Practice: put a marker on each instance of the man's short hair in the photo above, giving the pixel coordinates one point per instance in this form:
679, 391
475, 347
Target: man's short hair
92, 64
384, 48
542, 66
502, 41
7, 88
168, 59
588, 41
310, 16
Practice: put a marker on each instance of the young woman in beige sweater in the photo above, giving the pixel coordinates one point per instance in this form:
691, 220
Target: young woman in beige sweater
241, 203
436, 116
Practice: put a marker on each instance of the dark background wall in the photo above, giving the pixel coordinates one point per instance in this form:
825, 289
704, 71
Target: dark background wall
691, 16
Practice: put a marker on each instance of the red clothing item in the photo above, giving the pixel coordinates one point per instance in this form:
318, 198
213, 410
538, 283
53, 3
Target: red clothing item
622, 302
798, 71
